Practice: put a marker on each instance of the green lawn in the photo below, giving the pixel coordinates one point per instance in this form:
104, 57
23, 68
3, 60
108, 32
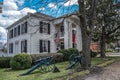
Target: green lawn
7, 74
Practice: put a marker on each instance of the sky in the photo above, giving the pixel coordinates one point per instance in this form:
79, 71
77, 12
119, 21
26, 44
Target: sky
13, 10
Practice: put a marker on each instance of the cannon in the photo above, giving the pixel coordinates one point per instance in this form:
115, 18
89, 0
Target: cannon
74, 60
44, 65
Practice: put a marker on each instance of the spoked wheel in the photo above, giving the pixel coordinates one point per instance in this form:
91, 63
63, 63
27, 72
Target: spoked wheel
71, 58
47, 68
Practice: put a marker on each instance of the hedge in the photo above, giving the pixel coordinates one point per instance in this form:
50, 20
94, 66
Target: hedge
4, 62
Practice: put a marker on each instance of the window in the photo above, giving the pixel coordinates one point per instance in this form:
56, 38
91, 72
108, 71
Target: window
24, 46
11, 48
11, 34
44, 46
44, 27
15, 32
24, 28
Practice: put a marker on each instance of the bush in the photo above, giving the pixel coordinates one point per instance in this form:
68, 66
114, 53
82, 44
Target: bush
68, 52
21, 61
4, 62
58, 56
93, 54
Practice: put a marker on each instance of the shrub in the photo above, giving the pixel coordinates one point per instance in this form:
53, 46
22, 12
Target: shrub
93, 54
21, 61
68, 52
4, 62
58, 56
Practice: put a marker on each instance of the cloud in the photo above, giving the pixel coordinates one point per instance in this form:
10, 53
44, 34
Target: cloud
70, 2
10, 5
52, 5
3, 31
11, 13
26, 10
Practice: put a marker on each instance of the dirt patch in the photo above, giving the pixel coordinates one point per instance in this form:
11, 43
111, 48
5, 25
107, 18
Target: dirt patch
112, 72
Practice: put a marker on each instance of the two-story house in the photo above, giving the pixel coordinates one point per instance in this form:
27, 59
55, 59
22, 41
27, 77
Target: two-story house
39, 33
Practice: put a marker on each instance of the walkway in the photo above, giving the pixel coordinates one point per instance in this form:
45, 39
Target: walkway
112, 72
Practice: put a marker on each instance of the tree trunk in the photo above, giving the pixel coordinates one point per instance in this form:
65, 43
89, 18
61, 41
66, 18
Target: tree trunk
103, 43
86, 59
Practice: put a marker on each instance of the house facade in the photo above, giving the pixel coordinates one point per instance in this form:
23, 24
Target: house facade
39, 33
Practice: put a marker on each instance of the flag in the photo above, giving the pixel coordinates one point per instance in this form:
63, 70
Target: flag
73, 37
57, 37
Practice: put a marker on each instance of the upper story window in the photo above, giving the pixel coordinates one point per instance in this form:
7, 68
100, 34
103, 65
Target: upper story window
11, 48
24, 28
44, 27
11, 34
15, 32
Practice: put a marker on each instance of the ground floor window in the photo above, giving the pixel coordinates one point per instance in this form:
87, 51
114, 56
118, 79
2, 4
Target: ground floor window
60, 45
44, 46
11, 48
24, 46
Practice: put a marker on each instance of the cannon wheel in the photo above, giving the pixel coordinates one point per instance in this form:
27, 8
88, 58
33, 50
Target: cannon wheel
49, 66
71, 58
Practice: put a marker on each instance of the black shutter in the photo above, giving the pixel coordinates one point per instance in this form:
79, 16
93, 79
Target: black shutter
25, 27
41, 27
26, 46
19, 30
21, 46
41, 49
12, 33
12, 47
49, 46
48, 28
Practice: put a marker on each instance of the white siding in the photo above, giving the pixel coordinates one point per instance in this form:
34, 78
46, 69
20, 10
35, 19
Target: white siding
33, 36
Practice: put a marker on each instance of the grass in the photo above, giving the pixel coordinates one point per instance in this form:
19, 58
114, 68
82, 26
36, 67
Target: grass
7, 74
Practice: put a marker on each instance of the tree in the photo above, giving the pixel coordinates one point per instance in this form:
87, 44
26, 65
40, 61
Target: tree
108, 23
87, 12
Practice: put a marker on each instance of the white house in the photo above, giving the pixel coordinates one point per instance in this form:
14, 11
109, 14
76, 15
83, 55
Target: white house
39, 33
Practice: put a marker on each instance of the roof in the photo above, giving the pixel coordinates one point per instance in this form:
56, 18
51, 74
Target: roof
68, 15
40, 15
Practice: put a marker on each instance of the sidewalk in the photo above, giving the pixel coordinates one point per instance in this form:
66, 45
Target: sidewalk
112, 72
113, 54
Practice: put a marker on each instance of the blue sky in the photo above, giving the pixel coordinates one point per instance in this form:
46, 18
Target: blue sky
13, 10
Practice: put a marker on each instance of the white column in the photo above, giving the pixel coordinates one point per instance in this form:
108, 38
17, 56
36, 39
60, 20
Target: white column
66, 34
78, 38
53, 44
70, 35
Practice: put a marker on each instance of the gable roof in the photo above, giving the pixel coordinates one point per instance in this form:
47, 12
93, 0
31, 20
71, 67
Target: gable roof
39, 15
